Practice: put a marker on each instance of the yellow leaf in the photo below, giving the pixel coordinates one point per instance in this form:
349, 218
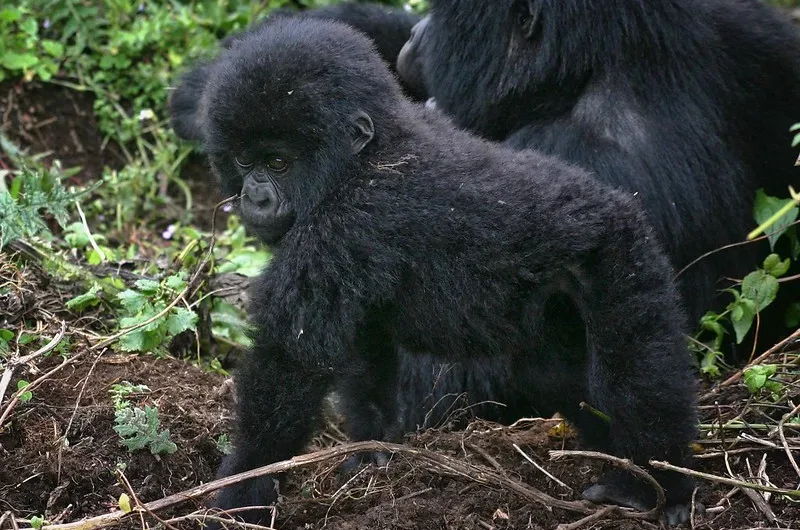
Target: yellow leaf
124, 503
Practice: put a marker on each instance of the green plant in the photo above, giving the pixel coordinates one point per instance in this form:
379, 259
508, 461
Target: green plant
757, 290
31, 196
121, 391
22, 50
223, 444
5, 338
24, 395
761, 378
229, 323
145, 302
88, 299
139, 429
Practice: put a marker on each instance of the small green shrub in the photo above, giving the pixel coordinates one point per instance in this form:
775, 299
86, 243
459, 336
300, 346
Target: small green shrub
139, 429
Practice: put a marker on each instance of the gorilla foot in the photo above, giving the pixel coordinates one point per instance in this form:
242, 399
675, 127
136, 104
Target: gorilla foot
261, 492
623, 490
378, 458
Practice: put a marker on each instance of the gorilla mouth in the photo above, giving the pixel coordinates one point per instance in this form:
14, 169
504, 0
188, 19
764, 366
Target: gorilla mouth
268, 226
269, 233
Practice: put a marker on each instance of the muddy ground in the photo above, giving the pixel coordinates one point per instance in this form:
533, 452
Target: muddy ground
59, 456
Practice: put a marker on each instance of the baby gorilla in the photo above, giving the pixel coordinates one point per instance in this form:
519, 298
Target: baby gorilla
393, 229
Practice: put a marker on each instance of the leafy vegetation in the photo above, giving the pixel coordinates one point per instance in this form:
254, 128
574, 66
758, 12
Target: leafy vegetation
139, 428
758, 289
28, 194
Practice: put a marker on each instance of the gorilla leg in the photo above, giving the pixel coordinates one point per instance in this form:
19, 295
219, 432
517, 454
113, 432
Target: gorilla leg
279, 403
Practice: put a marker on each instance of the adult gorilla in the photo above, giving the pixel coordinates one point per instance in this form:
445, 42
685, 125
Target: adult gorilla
686, 104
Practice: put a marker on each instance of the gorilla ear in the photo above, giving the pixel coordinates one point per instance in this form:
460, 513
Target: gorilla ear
528, 17
363, 131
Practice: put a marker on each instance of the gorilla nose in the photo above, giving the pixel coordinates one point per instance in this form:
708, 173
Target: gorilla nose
260, 193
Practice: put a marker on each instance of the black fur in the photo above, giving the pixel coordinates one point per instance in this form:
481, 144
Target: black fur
401, 230
388, 27
686, 104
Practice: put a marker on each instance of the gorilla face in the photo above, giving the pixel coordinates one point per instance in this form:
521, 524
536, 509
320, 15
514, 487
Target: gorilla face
281, 135
409, 62
491, 64
266, 208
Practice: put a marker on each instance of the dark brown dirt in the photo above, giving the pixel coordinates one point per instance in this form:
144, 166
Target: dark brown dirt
406, 495
37, 478
47, 118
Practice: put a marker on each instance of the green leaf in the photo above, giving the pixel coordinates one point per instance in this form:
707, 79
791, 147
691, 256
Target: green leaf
229, 322
755, 382
760, 287
224, 444
141, 340
10, 14
87, 299
756, 377
139, 428
55, 49
124, 503
5, 337
131, 426
37, 521
742, 315
765, 206
27, 338
775, 267
18, 61
176, 282
23, 397
75, 235
162, 444
132, 301
146, 338
710, 322
708, 364
248, 262
29, 26
147, 286
180, 320
94, 257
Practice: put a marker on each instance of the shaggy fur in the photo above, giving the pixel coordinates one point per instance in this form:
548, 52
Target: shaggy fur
394, 229
388, 27
685, 104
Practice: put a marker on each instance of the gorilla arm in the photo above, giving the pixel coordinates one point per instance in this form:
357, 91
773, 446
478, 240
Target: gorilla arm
308, 316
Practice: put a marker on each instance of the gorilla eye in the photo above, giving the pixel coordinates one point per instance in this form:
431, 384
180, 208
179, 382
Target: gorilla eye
278, 164
246, 165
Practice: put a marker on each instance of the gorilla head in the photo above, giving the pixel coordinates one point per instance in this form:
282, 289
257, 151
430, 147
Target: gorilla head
270, 157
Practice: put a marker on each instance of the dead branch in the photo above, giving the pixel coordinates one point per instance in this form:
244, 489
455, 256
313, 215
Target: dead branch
446, 464
666, 466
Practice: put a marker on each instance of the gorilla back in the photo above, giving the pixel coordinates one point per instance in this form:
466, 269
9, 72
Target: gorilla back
686, 104
394, 229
